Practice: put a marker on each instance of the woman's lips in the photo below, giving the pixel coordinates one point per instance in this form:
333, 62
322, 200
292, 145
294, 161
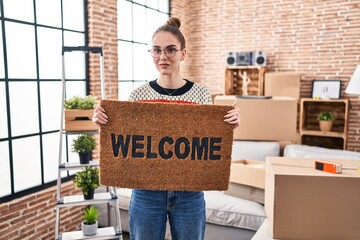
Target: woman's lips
164, 65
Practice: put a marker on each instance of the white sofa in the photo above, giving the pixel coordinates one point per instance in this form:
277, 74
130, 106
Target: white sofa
227, 217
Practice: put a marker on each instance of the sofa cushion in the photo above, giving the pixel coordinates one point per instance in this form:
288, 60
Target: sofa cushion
231, 211
304, 151
254, 150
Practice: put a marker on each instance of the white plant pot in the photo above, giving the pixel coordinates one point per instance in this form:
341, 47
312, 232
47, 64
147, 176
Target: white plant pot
89, 230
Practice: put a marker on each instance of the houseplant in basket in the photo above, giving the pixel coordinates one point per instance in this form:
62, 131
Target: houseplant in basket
78, 113
83, 145
90, 224
326, 119
88, 181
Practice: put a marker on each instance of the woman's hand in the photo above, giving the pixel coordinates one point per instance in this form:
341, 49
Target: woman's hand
99, 116
233, 117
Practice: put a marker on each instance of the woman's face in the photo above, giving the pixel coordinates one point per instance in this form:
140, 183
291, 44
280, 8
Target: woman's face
165, 64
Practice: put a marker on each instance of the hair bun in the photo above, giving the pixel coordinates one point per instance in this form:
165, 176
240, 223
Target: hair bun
174, 21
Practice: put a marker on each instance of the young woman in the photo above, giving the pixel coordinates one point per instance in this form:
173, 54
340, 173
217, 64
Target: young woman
149, 210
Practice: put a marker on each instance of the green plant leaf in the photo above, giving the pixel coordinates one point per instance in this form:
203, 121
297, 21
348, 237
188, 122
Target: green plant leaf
87, 179
84, 143
84, 103
91, 215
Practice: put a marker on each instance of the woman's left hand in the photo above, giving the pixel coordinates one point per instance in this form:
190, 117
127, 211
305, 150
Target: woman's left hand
233, 117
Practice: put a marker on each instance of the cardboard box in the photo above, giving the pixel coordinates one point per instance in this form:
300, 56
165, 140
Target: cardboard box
304, 203
264, 119
247, 180
246, 192
248, 172
282, 84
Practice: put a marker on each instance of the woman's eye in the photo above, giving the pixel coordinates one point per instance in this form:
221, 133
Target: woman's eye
171, 50
158, 51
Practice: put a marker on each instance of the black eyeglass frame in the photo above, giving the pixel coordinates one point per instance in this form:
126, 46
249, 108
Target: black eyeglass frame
151, 51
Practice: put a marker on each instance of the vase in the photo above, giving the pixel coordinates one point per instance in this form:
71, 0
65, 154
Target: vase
325, 126
89, 230
84, 157
90, 194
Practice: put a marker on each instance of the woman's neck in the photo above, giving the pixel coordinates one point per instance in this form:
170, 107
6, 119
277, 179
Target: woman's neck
171, 82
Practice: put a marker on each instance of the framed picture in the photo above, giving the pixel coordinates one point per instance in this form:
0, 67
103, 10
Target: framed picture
326, 89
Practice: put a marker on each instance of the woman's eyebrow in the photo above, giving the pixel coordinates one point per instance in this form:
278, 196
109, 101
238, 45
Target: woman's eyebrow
156, 46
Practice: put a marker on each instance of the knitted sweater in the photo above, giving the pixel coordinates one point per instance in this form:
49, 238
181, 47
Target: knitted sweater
191, 93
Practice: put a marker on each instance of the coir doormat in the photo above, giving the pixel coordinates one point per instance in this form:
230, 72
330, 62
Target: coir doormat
165, 146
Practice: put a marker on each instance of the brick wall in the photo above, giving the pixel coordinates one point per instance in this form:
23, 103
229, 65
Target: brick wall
33, 216
103, 32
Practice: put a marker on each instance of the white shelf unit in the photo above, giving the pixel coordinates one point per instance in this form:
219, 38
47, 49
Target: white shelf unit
110, 197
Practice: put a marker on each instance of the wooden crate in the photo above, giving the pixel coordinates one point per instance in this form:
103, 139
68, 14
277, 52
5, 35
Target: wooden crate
310, 133
79, 120
233, 80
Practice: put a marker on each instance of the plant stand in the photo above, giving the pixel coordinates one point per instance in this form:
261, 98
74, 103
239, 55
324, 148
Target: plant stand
110, 197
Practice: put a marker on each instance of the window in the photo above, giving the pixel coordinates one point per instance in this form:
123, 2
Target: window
33, 32
137, 21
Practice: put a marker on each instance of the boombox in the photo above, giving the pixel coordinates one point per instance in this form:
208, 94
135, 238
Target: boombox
257, 58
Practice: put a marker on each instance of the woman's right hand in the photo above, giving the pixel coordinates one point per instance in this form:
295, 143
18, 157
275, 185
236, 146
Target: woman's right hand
99, 116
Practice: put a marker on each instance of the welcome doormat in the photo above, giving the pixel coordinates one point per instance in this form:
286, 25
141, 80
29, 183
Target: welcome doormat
165, 146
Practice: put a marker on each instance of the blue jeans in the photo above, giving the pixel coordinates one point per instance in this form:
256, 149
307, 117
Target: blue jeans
149, 210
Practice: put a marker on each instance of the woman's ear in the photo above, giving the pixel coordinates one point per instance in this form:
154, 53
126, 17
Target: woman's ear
183, 54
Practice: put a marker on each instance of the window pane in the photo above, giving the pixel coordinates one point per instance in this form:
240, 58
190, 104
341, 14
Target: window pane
151, 73
152, 3
75, 88
140, 1
3, 113
125, 89
74, 39
26, 156
164, 6
5, 182
19, 9
20, 40
51, 154
124, 20
48, 12
50, 95
74, 61
73, 14
49, 42
125, 61
141, 57
139, 22
151, 24
24, 108
2, 72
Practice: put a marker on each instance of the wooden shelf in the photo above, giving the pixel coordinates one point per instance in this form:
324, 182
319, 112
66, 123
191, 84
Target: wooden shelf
310, 133
233, 80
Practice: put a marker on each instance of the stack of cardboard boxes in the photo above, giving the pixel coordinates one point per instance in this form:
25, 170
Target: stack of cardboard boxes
304, 203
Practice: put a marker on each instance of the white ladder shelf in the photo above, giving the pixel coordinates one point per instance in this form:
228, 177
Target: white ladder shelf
110, 197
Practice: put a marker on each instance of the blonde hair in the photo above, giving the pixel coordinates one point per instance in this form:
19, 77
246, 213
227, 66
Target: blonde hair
172, 25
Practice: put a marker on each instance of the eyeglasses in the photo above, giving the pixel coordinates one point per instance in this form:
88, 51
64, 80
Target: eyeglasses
169, 52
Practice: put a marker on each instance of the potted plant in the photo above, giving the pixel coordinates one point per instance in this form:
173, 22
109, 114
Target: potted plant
83, 145
78, 113
326, 119
88, 181
90, 224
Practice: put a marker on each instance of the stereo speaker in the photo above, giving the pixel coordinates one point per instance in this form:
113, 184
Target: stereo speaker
259, 58
231, 59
